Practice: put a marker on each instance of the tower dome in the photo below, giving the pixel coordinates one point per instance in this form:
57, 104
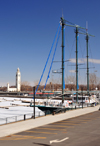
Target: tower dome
18, 70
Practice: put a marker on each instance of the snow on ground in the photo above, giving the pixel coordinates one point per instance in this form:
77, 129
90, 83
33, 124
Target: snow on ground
14, 113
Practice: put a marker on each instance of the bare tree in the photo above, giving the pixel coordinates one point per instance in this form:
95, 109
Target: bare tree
25, 83
36, 82
25, 86
92, 80
70, 80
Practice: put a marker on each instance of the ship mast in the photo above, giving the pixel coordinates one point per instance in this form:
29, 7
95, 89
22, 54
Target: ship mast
76, 64
87, 38
62, 21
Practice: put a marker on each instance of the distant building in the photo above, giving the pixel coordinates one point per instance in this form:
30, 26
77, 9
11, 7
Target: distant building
18, 82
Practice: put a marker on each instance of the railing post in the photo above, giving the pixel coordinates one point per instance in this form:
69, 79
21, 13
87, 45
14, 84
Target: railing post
24, 117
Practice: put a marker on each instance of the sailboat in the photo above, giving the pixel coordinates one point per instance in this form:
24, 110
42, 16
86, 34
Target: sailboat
53, 107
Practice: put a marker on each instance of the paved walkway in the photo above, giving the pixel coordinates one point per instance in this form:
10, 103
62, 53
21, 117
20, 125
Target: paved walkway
13, 128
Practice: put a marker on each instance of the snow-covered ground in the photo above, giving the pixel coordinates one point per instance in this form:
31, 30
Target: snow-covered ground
15, 113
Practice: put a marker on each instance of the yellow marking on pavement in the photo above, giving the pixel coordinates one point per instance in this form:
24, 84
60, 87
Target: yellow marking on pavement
51, 129
62, 126
74, 122
70, 121
93, 119
89, 119
79, 120
67, 123
64, 132
21, 137
83, 120
40, 132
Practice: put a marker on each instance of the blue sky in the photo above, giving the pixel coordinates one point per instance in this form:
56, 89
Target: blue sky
27, 30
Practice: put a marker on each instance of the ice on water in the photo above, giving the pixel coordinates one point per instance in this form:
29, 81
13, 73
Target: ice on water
14, 110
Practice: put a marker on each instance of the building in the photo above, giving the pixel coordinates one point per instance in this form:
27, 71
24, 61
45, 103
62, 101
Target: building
18, 83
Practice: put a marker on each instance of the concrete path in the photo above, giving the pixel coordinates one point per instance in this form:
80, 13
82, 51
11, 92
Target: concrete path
13, 128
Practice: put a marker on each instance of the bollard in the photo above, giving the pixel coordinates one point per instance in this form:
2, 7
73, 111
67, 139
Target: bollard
24, 117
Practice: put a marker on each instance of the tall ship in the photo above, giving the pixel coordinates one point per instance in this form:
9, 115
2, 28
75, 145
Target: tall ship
66, 101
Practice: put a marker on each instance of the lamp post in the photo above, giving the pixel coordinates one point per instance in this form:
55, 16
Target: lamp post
34, 102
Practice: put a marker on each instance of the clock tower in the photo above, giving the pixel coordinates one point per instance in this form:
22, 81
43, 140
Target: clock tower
18, 79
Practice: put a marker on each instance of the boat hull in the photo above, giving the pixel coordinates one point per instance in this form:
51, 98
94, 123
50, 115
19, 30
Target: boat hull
51, 109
